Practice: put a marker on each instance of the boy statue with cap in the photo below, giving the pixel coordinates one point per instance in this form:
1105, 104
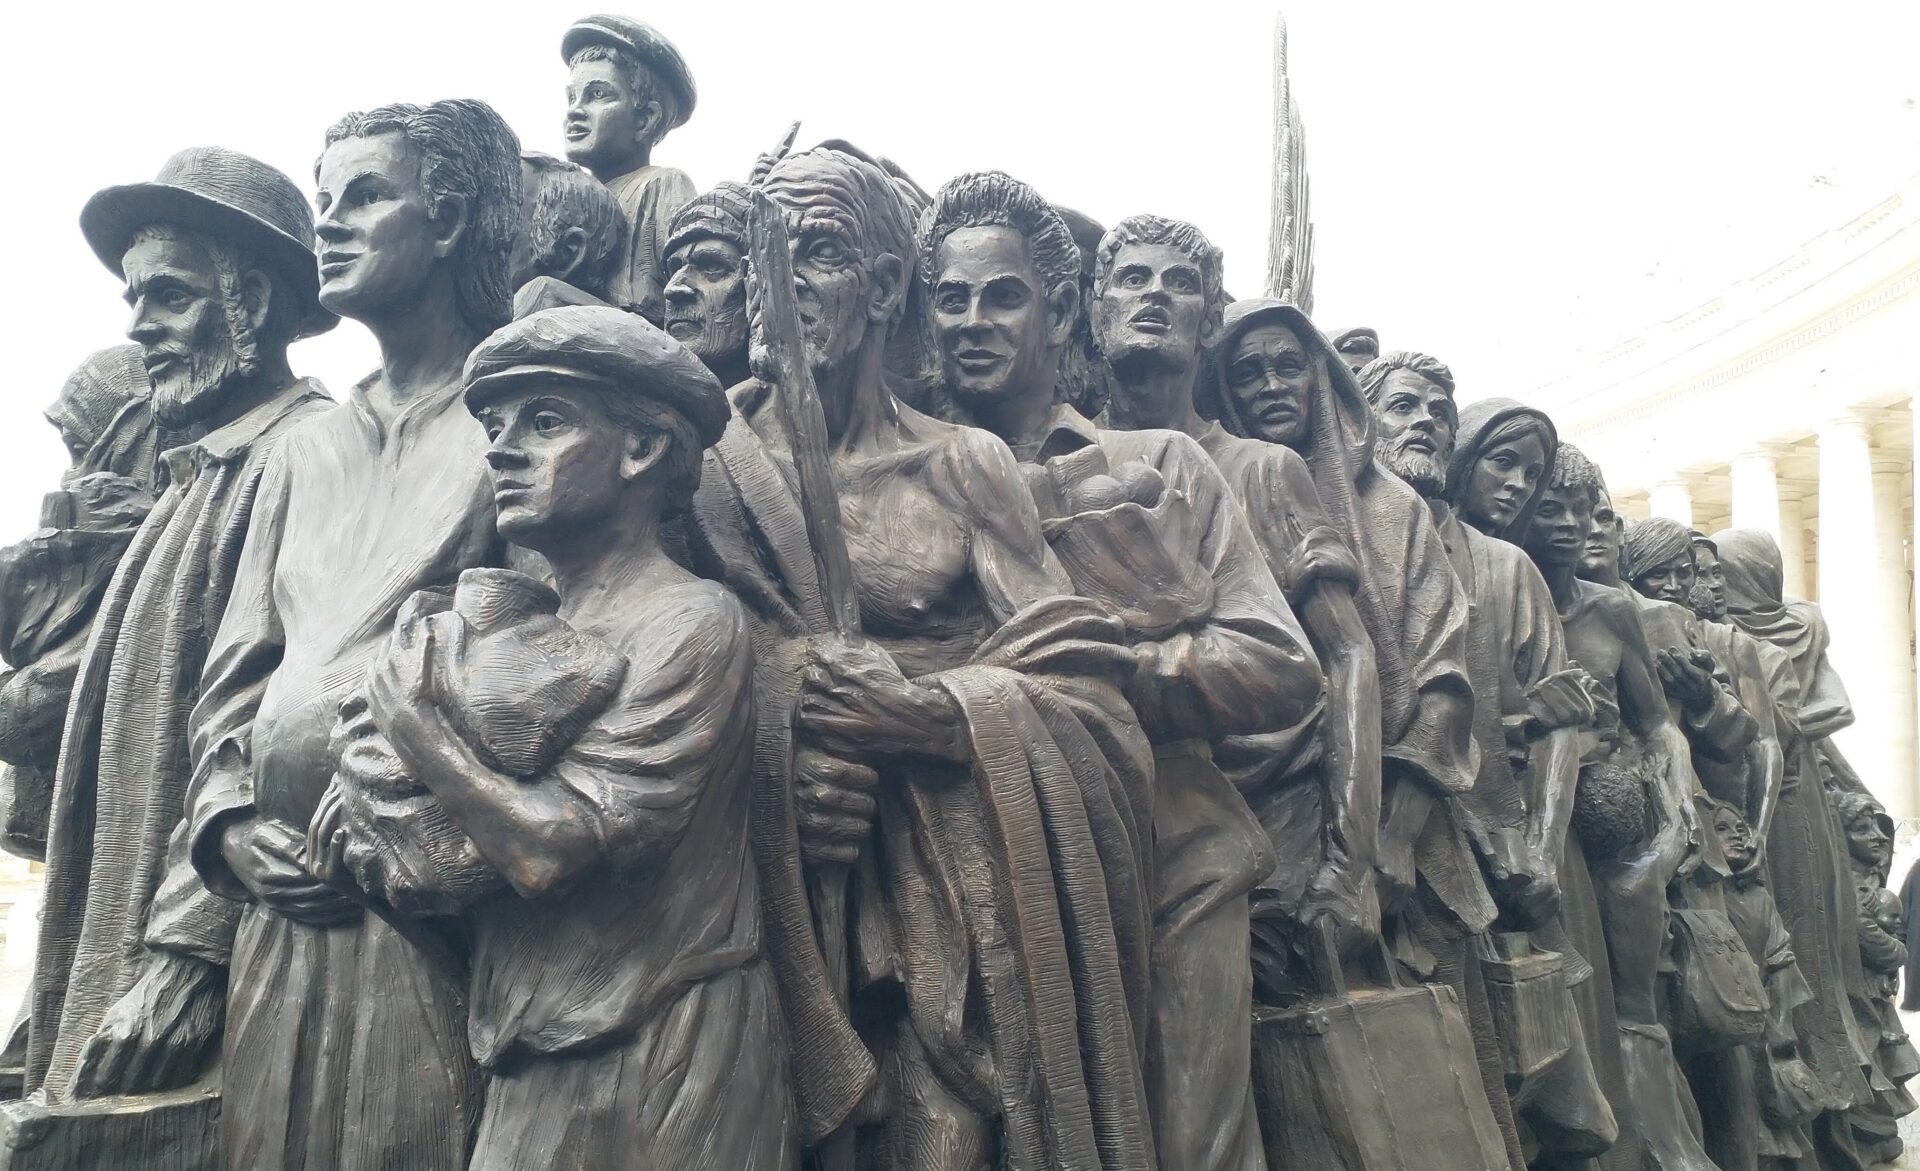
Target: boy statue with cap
616, 977
627, 86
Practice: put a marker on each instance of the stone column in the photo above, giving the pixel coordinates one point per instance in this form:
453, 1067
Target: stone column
1850, 589
1672, 499
1756, 491
1895, 641
1793, 547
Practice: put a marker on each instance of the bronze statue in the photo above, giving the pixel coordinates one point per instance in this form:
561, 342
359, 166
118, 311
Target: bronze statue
54, 580
967, 770
1357, 347
1883, 953
571, 228
706, 274
1483, 472
1143, 522
363, 505
627, 87
624, 840
130, 974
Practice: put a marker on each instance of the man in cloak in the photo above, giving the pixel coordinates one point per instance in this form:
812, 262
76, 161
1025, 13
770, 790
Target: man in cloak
362, 506
627, 87
1483, 471
1172, 557
129, 978
973, 758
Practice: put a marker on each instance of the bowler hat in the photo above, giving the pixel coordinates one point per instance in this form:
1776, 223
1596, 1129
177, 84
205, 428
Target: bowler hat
229, 196
643, 41
603, 349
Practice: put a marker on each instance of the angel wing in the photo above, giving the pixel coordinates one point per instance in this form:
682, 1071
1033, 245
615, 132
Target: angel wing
1290, 235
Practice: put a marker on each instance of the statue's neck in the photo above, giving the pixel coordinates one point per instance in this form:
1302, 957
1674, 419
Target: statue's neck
424, 343
859, 408
1020, 418
1156, 396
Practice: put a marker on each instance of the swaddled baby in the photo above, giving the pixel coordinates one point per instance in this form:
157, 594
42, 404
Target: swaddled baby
516, 684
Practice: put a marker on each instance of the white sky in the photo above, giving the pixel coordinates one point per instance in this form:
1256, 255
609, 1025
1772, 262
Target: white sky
1503, 184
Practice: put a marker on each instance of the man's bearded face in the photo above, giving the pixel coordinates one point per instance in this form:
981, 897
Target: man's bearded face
1709, 596
1600, 560
991, 316
1561, 520
1152, 308
1416, 431
1670, 581
706, 299
180, 320
1272, 377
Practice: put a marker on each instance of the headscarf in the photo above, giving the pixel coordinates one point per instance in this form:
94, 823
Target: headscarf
1650, 543
1750, 559
1481, 424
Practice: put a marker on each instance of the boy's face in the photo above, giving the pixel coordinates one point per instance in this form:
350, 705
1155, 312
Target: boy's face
607, 131
1736, 840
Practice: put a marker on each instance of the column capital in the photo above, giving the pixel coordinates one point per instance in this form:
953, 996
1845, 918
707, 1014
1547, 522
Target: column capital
1769, 451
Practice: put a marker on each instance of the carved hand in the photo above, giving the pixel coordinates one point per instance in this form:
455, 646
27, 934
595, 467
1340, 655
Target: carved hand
833, 804
855, 703
1561, 700
158, 1035
400, 695
1686, 680
269, 860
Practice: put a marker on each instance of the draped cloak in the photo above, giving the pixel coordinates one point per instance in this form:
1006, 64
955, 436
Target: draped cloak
1806, 845
125, 763
1019, 897
345, 1050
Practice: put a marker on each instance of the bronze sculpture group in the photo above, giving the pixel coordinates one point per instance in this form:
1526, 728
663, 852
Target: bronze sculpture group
823, 673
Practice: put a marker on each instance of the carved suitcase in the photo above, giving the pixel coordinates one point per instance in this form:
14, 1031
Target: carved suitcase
1532, 1006
1373, 1080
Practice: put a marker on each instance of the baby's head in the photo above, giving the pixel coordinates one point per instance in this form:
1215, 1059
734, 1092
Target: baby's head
1610, 810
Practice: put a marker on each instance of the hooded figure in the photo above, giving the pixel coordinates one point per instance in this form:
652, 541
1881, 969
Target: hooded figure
1408, 599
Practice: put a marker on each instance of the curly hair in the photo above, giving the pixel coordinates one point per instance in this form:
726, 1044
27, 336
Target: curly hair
568, 197
995, 199
466, 149
1153, 229
1572, 469
1373, 376
640, 82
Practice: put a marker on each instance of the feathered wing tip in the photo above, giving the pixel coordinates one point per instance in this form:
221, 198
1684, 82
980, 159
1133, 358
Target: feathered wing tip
1290, 234
764, 164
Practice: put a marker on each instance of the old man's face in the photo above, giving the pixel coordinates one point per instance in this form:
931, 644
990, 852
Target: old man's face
706, 297
180, 319
1271, 377
1416, 430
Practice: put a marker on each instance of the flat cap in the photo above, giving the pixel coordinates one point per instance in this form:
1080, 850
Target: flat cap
600, 348
643, 41
724, 211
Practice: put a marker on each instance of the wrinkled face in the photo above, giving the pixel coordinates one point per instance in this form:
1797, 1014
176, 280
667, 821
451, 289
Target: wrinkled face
378, 239
1867, 839
834, 273
706, 299
1152, 309
1358, 351
1709, 584
1669, 581
1503, 479
1271, 378
1416, 430
556, 459
998, 335
1736, 840
180, 321
1601, 557
603, 128
1561, 521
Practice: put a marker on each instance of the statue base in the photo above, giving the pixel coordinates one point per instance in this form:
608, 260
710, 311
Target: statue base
175, 1131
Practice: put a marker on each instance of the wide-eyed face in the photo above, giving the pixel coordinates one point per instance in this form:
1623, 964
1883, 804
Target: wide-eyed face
180, 320
605, 132
379, 236
1417, 425
842, 288
1669, 581
1736, 839
1561, 519
1358, 350
1271, 377
1600, 560
1502, 479
706, 298
1153, 307
1709, 584
560, 465
999, 334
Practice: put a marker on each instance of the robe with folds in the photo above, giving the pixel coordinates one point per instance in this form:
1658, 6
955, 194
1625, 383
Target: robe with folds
125, 763
1187, 572
648, 197
345, 1051
1807, 860
1001, 910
